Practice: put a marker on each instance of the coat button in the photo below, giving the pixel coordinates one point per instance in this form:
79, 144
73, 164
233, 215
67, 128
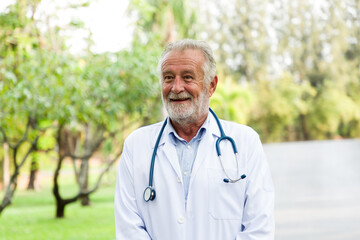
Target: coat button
181, 220
178, 179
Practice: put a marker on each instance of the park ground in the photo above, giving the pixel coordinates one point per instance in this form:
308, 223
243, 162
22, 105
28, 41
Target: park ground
32, 215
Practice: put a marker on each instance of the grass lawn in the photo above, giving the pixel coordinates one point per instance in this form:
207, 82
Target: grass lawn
32, 216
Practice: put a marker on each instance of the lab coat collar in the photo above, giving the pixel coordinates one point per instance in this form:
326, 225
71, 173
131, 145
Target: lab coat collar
213, 127
170, 151
199, 135
210, 125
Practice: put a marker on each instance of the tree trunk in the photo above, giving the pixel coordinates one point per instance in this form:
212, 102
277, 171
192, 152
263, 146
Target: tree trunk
84, 182
33, 173
13, 180
60, 202
60, 208
32, 179
9, 193
304, 131
63, 150
85, 200
6, 166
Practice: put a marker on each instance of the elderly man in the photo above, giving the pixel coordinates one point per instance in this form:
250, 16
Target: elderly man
207, 178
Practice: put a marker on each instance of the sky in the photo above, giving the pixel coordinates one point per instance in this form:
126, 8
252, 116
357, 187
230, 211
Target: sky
111, 28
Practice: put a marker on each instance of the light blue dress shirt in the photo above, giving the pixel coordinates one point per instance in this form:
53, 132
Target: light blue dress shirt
186, 152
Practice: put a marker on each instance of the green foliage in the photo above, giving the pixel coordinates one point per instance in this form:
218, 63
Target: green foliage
301, 69
238, 30
314, 43
330, 109
279, 105
51, 85
43, 86
47, 141
168, 20
232, 101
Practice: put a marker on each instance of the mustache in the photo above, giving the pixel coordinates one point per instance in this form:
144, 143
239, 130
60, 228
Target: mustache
180, 96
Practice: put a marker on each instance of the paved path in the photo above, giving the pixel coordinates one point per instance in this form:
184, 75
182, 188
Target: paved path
317, 186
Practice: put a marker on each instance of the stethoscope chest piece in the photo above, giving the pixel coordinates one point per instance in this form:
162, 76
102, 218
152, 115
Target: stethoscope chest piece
149, 194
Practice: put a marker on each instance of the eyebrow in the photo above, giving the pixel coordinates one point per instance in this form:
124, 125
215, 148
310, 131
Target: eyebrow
188, 71
183, 72
167, 72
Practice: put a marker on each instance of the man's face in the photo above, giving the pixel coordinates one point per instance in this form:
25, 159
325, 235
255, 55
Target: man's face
184, 93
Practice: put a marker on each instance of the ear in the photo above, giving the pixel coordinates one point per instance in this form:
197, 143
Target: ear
213, 85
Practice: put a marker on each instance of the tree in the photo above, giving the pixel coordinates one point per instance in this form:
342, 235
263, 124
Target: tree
313, 47
351, 127
231, 100
89, 100
117, 92
18, 161
168, 20
278, 106
5, 166
238, 32
22, 105
305, 45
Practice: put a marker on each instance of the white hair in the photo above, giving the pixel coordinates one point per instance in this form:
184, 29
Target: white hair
209, 67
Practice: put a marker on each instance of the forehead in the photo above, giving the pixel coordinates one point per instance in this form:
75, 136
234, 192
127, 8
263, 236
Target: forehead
188, 58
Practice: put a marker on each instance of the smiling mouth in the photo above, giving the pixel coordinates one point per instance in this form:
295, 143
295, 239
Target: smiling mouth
179, 99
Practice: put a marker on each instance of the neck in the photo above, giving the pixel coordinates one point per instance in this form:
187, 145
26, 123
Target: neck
188, 130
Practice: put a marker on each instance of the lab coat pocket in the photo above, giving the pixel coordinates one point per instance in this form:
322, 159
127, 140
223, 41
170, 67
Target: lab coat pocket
226, 200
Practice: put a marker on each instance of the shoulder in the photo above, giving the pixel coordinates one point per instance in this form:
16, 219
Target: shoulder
145, 134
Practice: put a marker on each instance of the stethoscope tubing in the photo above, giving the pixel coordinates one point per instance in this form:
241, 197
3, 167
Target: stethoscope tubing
222, 136
149, 193
154, 154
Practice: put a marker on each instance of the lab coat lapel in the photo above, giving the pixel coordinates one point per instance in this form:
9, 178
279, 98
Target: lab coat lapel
170, 152
206, 147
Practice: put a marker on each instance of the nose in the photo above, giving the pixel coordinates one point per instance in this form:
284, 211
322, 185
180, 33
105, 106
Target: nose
178, 85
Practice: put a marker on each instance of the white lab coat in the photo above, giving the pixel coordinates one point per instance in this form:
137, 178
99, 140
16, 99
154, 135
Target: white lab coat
214, 209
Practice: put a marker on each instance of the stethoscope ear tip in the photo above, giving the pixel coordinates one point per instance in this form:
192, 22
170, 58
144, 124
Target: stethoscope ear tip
243, 176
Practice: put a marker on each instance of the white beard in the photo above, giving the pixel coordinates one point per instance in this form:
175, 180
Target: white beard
183, 113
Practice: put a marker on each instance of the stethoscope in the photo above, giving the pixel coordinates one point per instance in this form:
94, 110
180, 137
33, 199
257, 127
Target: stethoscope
150, 194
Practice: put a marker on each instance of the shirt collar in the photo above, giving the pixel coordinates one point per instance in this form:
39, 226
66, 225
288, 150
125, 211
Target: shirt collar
174, 137
210, 125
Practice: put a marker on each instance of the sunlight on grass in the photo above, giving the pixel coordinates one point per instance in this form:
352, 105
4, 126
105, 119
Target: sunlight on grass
32, 217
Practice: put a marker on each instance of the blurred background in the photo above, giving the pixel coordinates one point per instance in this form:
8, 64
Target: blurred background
76, 77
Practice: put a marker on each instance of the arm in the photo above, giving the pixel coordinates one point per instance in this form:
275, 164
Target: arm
258, 218
128, 221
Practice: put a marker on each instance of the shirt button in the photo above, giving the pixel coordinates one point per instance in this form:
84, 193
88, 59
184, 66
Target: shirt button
181, 220
188, 146
178, 179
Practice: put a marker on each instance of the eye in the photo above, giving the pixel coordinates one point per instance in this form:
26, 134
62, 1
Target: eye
168, 78
188, 77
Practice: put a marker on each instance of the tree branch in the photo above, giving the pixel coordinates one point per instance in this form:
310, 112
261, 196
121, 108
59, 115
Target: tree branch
32, 148
5, 138
105, 170
24, 137
73, 156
